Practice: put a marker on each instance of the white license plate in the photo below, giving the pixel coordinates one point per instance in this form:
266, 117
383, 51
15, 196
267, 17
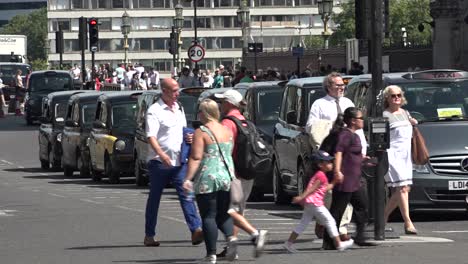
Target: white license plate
12, 96
458, 185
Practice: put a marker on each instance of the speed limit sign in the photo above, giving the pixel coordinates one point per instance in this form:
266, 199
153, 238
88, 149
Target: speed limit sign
196, 53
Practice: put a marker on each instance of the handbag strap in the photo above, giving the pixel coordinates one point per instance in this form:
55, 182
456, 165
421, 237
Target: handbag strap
213, 138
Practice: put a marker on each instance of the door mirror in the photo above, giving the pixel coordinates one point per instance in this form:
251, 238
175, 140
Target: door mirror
71, 123
291, 117
99, 124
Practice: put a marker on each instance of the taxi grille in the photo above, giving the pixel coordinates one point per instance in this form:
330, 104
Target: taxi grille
446, 195
451, 165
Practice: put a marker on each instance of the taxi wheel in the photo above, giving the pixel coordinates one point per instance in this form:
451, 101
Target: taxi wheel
279, 196
84, 170
67, 171
140, 180
96, 176
301, 179
55, 164
114, 176
45, 164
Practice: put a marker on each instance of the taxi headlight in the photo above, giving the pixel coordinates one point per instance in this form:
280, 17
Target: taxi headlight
59, 137
119, 145
421, 168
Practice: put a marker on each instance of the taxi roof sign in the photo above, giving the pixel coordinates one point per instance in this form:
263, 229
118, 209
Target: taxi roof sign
437, 75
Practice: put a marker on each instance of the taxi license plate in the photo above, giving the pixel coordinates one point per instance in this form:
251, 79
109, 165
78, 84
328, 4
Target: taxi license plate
12, 96
458, 185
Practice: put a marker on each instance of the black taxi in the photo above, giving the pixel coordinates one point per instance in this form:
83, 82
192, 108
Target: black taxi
438, 99
40, 84
112, 135
54, 109
188, 99
81, 111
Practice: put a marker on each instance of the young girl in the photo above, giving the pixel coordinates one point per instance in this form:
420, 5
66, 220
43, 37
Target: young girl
312, 198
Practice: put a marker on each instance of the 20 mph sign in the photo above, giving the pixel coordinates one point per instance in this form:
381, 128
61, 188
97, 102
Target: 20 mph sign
196, 53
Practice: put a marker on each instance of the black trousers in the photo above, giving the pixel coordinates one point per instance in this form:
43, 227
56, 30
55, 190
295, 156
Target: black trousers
340, 200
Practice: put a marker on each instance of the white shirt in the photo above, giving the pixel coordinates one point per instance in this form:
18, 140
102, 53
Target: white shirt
325, 109
167, 127
76, 73
153, 78
187, 81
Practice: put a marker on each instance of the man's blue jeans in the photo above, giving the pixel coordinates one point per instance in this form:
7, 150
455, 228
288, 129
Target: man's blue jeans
160, 176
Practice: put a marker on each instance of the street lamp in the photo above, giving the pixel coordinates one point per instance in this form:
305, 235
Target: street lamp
325, 9
126, 28
178, 24
243, 16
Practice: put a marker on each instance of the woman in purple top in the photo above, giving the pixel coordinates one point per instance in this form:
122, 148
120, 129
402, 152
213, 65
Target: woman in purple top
347, 175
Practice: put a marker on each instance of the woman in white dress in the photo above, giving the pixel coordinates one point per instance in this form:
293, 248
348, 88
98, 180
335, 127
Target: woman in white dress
400, 171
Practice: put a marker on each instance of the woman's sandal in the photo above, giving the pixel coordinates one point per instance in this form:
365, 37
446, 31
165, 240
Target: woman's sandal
411, 231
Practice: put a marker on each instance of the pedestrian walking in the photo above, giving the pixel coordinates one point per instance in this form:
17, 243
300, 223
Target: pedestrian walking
20, 92
323, 113
348, 187
211, 165
312, 200
165, 121
232, 101
400, 171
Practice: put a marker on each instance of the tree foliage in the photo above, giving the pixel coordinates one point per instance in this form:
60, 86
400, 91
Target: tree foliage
406, 14
34, 26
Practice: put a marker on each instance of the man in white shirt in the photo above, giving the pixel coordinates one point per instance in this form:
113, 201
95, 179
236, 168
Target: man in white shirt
326, 109
76, 72
185, 80
153, 80
165, 121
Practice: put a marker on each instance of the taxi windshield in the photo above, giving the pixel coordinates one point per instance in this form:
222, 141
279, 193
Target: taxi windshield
88, 113
51, 82
433, 101
189, 103
268, 105
123, 114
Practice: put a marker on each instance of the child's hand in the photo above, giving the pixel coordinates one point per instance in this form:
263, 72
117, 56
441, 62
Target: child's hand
296, 200
330, 186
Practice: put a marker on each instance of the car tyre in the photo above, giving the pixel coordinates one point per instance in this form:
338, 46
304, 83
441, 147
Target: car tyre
256, 195
81, 165
45, 164
67, 171
54, 164
29, 121
140, 180
301, 179
279, 195
96, 176
113, 175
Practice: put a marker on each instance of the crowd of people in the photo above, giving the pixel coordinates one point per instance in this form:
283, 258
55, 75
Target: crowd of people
333, 194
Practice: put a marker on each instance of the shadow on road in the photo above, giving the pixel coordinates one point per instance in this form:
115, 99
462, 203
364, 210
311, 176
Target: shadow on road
16, 123
172, 260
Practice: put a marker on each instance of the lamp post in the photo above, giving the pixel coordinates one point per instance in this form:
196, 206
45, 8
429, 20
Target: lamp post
243, 16
126, 28
178, 24
325, 9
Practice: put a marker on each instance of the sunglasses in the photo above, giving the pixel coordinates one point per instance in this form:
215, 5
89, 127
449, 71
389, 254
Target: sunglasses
396, 95
361, 118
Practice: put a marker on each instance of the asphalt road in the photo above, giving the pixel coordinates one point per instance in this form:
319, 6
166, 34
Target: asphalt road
48, 218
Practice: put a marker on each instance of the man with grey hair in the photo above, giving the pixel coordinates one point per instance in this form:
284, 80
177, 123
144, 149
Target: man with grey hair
323, 114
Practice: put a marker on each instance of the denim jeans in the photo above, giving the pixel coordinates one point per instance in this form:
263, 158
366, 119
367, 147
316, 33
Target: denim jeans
214, 213
160, 176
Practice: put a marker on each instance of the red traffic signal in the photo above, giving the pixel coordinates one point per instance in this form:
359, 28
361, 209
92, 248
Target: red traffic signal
93, 22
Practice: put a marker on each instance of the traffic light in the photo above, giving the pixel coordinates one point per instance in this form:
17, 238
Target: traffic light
59, 41
93, 34
83, 33
361, 18
174, 38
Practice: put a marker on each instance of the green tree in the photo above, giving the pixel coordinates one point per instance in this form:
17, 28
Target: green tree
313, 41
34, 26
406, 14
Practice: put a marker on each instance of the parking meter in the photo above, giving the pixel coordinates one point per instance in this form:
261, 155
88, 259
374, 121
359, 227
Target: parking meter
379, 134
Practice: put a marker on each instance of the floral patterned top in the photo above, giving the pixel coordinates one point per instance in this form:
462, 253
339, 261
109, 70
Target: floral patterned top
212, 175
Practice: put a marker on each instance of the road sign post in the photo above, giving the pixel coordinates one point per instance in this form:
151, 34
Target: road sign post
196, 53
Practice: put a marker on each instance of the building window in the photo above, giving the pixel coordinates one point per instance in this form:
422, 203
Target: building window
223, 22
145, 44
141, 3
100, 4
141, 23
119, 4
116, 23
162, 3
105, 45
162, 65
105, 24
204, 22
63, 23
116, 44
161, 22
70, 45
80, 4
305, 2
159, 44
59, 4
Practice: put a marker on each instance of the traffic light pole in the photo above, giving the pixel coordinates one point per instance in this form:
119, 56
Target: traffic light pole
174, 52
83, 66
376, 70
93, 71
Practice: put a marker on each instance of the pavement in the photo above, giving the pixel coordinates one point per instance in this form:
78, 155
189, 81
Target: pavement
46, 217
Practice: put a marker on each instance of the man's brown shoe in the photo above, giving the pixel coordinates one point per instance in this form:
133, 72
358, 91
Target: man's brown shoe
345, 237
150, 242
197, 236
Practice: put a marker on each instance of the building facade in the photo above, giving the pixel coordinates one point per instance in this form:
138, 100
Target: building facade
276, 23
11, 8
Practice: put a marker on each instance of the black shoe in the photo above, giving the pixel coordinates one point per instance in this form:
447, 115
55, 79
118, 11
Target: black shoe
328, 246
364, 243
222, 254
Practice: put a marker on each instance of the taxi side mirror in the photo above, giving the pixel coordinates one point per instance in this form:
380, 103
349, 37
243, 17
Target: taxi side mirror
291, 117
98, 124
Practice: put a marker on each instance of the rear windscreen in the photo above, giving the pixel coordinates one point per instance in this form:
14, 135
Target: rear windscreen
50, 83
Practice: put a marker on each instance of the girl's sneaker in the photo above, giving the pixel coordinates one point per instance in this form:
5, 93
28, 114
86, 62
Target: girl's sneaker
210, 259
345, 245
231, 251
289, 247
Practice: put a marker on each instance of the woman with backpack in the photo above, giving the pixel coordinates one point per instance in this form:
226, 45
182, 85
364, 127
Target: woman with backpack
347, 175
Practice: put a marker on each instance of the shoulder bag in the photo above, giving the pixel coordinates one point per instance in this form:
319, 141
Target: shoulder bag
419, 152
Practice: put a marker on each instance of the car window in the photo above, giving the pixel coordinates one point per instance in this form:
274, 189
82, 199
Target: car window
103, 113
53, 82
429, 101
10, 69
314, 94
189, 102
268, 104
290, 100
87, 112
123, 114
142, 112
60, 110
75, 113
